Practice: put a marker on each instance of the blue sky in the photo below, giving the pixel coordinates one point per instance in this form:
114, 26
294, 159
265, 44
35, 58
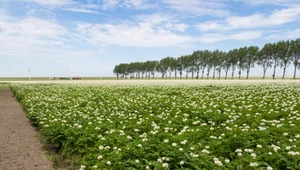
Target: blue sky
89, 37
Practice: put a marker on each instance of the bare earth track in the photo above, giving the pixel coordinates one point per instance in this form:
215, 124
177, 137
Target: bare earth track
20, 148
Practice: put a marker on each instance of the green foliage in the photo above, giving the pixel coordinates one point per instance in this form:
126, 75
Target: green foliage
281, 53
169, 127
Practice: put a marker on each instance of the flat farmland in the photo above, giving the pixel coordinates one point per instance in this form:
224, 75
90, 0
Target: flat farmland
163, 82
169, 124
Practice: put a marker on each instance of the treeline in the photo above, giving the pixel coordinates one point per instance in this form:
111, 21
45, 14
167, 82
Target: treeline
272, 55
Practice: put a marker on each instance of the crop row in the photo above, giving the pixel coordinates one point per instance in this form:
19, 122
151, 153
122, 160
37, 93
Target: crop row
169, 127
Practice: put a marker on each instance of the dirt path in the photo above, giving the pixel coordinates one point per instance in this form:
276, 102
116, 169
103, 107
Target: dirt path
20, 148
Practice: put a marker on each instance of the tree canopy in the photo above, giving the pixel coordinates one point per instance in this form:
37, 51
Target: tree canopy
272, 55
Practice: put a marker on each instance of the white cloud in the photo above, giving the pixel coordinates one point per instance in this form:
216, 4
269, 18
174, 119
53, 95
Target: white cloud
245, 35
273, 2
239, 36
134, 3
156, 18
180, 27
210, 25
212, 38
147, 35
139, 4
277, 17
151, 30
199, 7
285, 34
33, 26
3, 16
141, 35
50, 2
109, 4
155, 30
82, 10
252, 21
166, 21
131, 4
31, 37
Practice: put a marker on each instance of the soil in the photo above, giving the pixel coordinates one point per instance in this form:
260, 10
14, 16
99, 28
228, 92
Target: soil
20, 147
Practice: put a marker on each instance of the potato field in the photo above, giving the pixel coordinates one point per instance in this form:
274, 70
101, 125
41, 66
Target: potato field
131, 127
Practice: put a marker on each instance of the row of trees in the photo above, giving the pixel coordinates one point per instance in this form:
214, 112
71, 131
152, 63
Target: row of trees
272, 55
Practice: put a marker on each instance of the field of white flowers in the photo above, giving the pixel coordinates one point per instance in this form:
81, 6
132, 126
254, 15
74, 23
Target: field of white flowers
164, 82
169, 127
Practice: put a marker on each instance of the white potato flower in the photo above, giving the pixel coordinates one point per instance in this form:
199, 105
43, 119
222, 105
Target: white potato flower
165, 165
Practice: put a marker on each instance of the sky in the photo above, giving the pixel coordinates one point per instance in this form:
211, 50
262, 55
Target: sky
89, 37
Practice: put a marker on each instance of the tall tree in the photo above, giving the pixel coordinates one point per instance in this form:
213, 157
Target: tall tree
241, 57
169, 63
180, 66
154, 67
192, 64
174, 66
124, 70
274, 51
295, 54
207, 61
281, 53
233, 59
117, 71
151, 68
284, 55
215, 61
186, 65
221, 63
251, 58
265, 59
227, 63
163, 67
197, 57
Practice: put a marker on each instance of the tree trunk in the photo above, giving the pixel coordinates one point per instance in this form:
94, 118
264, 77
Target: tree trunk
202, 73
232, 74
284, 69
219, 74
208, 70
180, 74
187, 75
175, 74
214, 73
274, 71
226, 72
248, 70
197, 77
295, 70
264, 75
240, 72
